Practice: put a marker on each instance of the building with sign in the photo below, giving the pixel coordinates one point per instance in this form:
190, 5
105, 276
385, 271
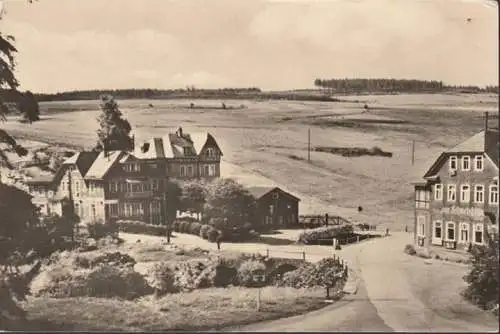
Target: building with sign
457, 203
275, 208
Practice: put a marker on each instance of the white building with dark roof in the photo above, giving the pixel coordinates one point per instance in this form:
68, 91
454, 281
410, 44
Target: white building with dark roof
457, 202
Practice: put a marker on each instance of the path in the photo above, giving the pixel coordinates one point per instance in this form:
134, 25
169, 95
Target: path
384, 300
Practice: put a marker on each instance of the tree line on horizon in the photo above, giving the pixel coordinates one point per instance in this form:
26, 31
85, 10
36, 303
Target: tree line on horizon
348, 85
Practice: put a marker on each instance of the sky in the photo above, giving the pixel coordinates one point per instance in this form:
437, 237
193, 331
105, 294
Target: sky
271, 44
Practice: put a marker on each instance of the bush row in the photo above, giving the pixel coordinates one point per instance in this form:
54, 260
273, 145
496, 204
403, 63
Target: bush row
130, 226
319, 234
327, 273
204, 231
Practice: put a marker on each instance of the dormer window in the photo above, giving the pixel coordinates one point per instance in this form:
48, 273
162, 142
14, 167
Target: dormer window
188, 151
132, 167
453, 163
478, 163
466, 163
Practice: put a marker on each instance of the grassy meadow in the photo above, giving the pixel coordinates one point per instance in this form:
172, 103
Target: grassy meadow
265, 142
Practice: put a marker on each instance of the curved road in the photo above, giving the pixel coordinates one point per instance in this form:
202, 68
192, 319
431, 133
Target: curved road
384, 300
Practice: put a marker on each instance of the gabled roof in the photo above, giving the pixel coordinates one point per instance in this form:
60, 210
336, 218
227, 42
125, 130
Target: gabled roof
259, 192
481, 142
472, 144
82, 160
102, 165
172, 145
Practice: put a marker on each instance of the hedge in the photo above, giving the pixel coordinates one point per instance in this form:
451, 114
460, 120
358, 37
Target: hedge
204, 231
130, 226
326, 234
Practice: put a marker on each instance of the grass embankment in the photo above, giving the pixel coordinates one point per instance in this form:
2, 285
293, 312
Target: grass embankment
206, 309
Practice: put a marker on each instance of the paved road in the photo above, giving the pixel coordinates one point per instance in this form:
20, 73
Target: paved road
384, 300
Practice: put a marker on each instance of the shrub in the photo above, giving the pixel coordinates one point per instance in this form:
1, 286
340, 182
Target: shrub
204, 231
104, 281
176, 225
113, 259
310, 275
218, 223
213, 234
195, 228
184, 227
325, 233
98, 230
162, 278
410, 249
483, 277
108, 282
138, 227
247, 272
225, 274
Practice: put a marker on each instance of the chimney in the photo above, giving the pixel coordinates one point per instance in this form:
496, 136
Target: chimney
179, 132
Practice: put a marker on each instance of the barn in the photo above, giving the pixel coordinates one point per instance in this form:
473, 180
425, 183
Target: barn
276, 208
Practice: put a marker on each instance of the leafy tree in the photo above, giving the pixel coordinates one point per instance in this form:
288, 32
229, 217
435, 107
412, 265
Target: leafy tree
114, 131
483, 275
193, 196
29, 107
228, 200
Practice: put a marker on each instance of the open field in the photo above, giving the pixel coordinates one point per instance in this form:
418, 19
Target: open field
266, 143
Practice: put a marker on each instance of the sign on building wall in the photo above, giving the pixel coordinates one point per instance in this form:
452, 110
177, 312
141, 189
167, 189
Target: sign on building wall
474, 213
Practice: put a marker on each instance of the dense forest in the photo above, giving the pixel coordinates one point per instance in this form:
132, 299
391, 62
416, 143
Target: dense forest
325, 88
344, 86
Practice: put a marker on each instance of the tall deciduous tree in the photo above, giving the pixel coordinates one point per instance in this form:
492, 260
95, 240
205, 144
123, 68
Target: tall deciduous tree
114, 131
226, 199
194, 195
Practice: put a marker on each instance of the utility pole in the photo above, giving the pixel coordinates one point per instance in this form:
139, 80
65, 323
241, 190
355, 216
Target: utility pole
309, 145
412, 152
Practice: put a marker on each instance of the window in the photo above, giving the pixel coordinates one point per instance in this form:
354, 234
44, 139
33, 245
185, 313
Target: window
91, 188
422, 198
93, 211
183, 171
271, 209
478, 163
438, 192
478, 193
190, 171
211, 170
132, 167
450, 231
464, 232
421, 226
204, 170
453, 163
188, 151
154, 185
464, 193
478, 233
494, 192
113, 210
77, 209
154, 166
269, 220
77, 186
211, 152
466, 162
452, 193
437, 230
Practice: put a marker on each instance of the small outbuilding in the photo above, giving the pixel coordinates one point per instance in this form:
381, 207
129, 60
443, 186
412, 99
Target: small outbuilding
276, 208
